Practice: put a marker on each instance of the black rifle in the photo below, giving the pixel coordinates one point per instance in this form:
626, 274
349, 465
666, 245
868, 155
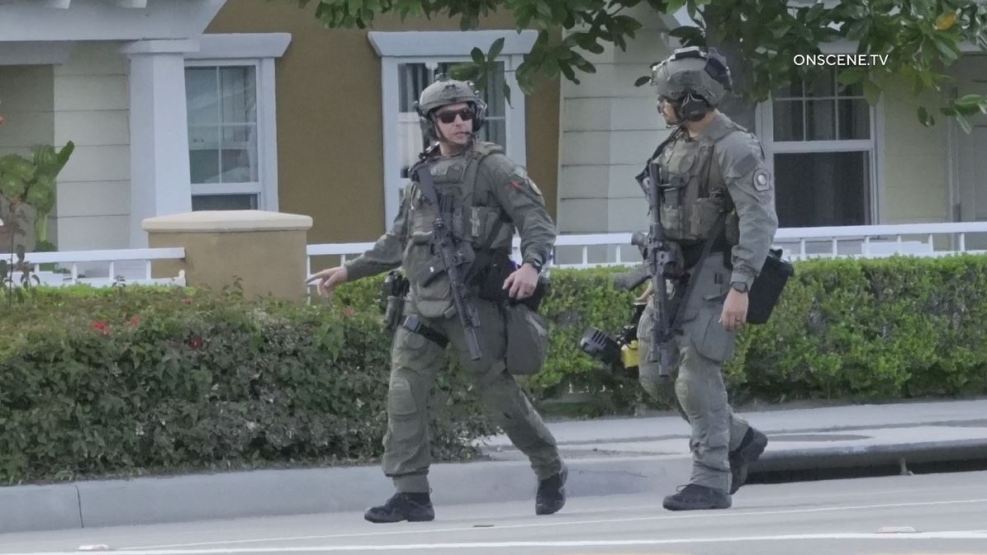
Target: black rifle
663, 260
451, 256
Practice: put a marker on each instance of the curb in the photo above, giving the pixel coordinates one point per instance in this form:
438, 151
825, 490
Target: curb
257, 493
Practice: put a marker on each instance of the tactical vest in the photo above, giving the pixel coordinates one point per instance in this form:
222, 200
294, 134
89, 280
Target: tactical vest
477, 222
694, 194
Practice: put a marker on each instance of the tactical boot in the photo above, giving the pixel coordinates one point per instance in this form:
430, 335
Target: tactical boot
551, 493
413, 507
748, 451
694, 497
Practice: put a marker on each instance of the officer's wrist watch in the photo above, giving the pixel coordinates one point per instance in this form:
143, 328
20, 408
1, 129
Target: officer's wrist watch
739, 286
534, 264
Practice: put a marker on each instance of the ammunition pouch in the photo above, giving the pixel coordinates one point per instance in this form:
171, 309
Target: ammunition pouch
393, 291
767, 287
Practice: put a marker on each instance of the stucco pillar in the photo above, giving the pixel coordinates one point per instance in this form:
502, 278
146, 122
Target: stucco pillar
265, 250
160, 179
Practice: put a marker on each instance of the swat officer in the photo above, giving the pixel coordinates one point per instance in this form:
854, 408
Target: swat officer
491, 196
713, 187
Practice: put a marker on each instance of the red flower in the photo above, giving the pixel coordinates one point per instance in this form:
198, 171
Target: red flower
100, 327
195, 342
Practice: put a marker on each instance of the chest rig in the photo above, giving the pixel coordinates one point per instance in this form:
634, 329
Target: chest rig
693, 193
477, 223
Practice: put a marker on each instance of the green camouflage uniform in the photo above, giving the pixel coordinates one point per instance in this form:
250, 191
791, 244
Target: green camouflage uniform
494, 196
723, 169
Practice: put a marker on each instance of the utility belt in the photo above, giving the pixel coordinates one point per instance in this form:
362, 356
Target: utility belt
526, 332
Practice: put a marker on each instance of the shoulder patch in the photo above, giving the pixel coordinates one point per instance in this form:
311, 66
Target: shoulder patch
762, 180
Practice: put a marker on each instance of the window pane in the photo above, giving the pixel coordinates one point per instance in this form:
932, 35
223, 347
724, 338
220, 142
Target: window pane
200, 93
854, 119
222, 124
238, 160
792, 90
821, 120
239, 94
820, 84
204, 154
788, 120
855, 89
224, 202
822, 189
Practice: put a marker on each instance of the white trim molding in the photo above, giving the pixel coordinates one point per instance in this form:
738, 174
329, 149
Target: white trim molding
444, 43
241, 45
78, 20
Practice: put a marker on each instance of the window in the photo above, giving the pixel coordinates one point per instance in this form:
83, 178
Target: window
223, 136
232, 125
409, 62
820, 136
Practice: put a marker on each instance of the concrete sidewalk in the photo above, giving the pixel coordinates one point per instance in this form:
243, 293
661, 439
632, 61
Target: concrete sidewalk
606, 456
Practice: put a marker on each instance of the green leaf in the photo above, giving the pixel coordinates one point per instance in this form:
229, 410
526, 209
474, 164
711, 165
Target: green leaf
477, 56
851, 76
642, 80
946, 47
495, 49
872, 92
925, 118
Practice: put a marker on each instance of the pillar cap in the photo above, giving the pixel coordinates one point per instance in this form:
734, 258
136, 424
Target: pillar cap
219, 221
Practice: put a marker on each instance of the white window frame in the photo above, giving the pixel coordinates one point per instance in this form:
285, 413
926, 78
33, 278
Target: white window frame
431, 48
258, 51
764, 115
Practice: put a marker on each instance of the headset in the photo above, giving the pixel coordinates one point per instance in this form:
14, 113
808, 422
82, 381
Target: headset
693, 107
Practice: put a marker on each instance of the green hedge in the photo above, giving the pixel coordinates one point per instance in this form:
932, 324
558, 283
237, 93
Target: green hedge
127, 381
135, 380
859, 330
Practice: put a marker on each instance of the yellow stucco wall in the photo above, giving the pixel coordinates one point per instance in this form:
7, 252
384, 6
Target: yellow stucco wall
330, 162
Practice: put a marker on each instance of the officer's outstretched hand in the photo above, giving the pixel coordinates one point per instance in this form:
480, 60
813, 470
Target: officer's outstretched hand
328, 279
522, 282
734, 310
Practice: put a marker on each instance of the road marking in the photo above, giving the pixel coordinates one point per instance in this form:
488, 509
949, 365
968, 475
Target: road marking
947, 535
418, 529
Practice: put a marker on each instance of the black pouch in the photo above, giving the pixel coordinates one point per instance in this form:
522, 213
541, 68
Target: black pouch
491, 279
767, 287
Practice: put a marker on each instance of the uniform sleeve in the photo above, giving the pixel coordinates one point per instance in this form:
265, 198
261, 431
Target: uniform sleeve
751, 186
387, 252
520, 198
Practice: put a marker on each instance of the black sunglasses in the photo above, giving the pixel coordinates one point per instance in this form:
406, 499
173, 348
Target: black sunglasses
466, 114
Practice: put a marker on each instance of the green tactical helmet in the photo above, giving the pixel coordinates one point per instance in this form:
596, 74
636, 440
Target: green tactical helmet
693, 70
445, 91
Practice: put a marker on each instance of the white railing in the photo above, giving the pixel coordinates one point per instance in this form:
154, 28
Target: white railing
798, 243
121, 267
